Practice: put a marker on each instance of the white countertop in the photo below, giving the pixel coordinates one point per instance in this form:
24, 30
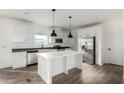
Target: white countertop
58, 54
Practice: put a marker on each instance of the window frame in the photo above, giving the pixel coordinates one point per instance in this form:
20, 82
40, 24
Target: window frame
40, 44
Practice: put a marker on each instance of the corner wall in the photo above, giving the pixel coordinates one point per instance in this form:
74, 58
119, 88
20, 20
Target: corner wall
123, 44
90, 31
111, 36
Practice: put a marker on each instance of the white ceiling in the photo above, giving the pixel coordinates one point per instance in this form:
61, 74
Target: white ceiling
80, 17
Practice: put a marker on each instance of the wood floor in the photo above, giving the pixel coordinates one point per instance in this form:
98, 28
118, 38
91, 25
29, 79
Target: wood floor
90, 74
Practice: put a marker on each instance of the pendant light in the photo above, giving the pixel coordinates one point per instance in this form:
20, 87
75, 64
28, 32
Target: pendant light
53, 34
70, 35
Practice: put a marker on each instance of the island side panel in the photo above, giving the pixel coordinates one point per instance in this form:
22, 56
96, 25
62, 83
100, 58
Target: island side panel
40, 59
65, 67
56, 66
44, 69
78, 61
71, 62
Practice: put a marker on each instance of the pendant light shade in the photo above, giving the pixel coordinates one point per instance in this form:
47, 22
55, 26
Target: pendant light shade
70, 35
53, 34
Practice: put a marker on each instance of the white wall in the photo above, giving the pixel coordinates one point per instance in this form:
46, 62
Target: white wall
60, 34
90, 32
123, 44
5, 42
75, 40
113, 36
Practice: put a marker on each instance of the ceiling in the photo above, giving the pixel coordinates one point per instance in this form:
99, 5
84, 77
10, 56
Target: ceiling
80, 17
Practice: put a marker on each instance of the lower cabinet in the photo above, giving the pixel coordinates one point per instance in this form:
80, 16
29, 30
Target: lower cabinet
68, 49
19, 60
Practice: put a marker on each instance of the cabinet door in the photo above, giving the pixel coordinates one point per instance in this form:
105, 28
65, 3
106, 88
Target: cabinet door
29, 33
19, 60
5, 57
23, 32
5, 44
19, 32
68, 49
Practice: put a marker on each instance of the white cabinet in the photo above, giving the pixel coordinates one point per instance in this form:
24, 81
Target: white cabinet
19, 60
5, 57
23, 32
47, 50
19, 32
68, 49
29, 33
5, 43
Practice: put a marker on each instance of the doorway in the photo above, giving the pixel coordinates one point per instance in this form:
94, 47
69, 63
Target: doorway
88, 45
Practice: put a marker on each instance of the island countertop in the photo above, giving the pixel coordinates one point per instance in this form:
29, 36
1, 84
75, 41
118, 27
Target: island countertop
57, 54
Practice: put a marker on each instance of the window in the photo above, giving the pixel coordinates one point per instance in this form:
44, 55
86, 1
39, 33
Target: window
41, 40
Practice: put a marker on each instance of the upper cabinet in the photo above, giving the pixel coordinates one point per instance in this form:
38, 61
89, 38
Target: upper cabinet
23, 32
19, 32
29, 33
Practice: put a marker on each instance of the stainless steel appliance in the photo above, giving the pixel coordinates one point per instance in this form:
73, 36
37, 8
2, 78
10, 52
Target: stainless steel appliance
59, 47
88, 49
59, 40
31, 57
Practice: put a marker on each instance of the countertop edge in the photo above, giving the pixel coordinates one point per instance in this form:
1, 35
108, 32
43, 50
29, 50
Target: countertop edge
29, 49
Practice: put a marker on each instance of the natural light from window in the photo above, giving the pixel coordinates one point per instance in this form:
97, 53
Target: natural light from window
41, 40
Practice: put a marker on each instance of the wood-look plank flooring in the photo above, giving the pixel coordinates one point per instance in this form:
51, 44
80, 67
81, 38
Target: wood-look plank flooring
90, 74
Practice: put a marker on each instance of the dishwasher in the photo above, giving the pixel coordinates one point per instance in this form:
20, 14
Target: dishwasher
32, 58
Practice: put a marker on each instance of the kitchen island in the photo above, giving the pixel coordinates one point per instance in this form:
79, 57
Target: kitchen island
51, 64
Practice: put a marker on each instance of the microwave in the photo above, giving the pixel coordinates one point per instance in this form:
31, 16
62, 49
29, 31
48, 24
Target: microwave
58, 40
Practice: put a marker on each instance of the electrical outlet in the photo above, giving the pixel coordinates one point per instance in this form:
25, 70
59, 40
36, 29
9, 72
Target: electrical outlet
109, 49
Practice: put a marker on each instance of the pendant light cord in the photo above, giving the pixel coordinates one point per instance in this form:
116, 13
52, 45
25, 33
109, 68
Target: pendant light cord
70, 36
53, 34
70, 23
53, 18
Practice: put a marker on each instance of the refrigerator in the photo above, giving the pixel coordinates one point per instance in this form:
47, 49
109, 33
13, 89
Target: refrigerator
88, 49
